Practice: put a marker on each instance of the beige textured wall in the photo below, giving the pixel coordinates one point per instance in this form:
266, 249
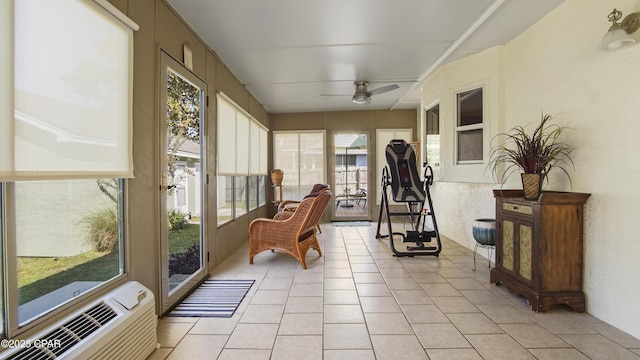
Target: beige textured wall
556, 67
362, 120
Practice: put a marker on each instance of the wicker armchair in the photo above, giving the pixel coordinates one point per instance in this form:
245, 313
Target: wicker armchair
294, 235
287, 205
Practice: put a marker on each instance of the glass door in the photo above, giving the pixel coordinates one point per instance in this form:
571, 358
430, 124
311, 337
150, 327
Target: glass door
351, 176
183, 245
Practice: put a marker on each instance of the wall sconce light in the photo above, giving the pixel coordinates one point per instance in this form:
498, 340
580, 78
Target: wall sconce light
618, 34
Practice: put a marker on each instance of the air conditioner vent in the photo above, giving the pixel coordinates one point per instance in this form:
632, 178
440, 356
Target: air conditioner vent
69, 334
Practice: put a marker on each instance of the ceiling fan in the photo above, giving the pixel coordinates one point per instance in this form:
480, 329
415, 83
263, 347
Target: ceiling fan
363, 96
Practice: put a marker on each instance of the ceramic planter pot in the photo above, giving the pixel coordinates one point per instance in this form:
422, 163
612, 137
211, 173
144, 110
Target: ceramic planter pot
276, 177
484, 231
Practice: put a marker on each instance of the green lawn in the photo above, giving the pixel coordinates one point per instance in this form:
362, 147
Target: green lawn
181, 240
40, 275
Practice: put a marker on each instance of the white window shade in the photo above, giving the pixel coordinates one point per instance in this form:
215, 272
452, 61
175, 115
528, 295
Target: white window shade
301, 155
226, 137
258, 149
242, 144
6, 86
312, 159
254, 168
72, 93
242, 141
286, 156
263, 151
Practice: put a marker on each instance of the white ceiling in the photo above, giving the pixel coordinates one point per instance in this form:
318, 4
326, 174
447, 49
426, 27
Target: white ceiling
289, 52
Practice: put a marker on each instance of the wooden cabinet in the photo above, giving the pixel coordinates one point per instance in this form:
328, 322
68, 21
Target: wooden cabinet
539, 251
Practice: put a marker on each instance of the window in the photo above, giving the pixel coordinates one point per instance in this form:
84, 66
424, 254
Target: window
66, 147
69, 239
225, 199
257, 191
432, 136
242, 161
301, 155
262, 190
253, 192
240, 195
469, 126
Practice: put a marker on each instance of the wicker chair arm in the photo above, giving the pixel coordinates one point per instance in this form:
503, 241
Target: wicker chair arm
283, 215
284, 203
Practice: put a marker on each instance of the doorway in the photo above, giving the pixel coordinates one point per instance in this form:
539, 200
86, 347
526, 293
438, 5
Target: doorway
351, 176
182, 239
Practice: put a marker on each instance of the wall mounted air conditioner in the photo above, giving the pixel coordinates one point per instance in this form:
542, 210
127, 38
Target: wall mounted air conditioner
121, 325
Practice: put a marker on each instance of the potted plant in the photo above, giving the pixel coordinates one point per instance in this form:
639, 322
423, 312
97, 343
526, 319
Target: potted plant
276, 177
533, 154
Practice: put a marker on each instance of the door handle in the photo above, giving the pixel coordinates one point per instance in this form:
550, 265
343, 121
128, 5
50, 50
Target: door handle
163, 183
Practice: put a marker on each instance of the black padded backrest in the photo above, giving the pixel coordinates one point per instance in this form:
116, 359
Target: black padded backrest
405, 180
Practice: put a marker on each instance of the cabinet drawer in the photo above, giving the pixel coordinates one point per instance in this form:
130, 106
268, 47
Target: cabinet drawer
517, 208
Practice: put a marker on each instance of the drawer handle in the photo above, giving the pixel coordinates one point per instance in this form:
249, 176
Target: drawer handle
515, 207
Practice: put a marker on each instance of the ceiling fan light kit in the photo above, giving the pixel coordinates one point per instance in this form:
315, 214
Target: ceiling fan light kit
361, 100
362, 96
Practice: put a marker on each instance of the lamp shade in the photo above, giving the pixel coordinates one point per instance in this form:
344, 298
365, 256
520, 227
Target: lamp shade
615, 39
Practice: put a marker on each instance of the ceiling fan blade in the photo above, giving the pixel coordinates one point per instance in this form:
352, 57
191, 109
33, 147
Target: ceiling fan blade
383, 89
336, 95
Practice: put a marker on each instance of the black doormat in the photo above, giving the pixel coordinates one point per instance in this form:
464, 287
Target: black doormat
213, 298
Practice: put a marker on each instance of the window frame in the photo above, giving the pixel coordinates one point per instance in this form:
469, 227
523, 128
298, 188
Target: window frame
459, 129
12, 325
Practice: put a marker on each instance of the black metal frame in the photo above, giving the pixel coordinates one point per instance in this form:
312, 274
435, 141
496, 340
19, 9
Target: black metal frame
418, 235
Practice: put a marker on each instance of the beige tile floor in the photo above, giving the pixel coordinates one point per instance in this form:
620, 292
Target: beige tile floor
357, 301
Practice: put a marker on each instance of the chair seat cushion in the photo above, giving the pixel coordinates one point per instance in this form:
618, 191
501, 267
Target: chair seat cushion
310, 195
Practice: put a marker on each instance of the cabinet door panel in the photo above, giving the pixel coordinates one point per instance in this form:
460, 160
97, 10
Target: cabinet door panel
507, 244
526, 238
